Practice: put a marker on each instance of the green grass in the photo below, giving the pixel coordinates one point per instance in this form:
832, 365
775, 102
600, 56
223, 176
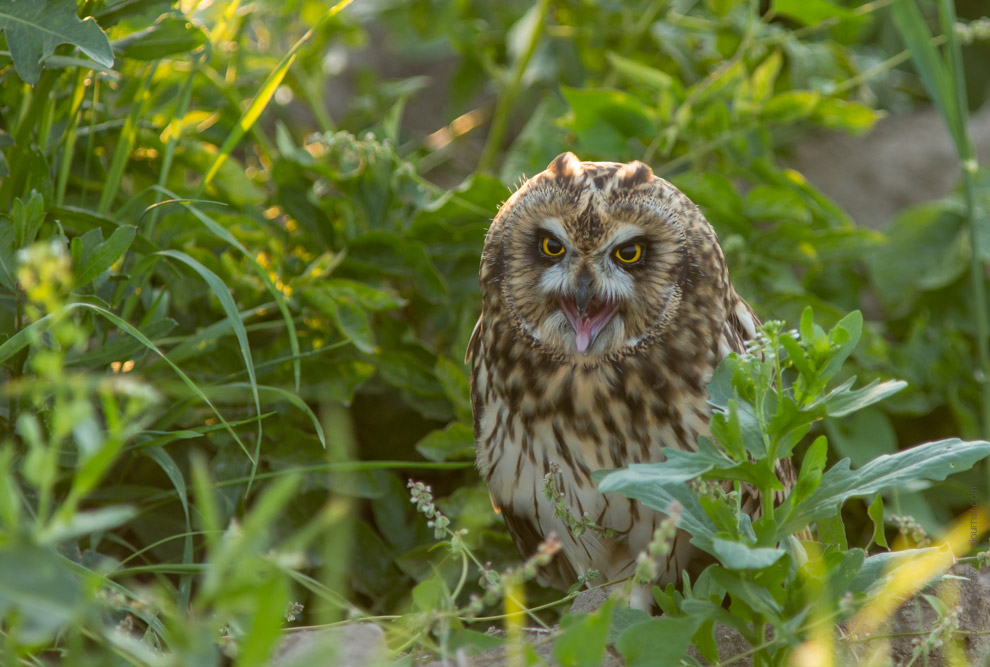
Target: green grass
236, 286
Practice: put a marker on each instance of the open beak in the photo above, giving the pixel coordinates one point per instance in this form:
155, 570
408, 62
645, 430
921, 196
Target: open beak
587, 313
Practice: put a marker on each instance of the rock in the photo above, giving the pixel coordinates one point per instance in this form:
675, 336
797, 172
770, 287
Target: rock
353, 645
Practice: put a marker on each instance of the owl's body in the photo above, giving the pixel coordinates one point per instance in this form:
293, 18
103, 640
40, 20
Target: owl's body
606, 306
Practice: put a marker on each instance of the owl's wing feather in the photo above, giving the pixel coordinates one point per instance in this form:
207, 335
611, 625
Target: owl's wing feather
526, 534
740, 326
474, 341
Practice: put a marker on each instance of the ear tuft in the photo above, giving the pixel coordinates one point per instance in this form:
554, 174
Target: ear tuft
633, 174
565, 165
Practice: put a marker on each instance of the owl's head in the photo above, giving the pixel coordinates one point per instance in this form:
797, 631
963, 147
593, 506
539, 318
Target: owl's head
593, 260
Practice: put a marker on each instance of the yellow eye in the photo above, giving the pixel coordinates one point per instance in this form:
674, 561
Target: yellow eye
629, 254
551, 247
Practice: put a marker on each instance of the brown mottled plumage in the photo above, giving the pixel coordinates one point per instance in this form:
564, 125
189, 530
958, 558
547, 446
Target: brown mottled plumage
586, 359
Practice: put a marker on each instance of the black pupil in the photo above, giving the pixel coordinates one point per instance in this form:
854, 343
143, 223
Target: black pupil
553, 246
628, 252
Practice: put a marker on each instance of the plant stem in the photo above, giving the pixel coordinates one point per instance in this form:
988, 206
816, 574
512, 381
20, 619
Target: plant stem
969, 165
508, 95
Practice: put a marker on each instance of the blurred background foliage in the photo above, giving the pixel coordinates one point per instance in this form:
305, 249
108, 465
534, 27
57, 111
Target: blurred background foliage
267, 216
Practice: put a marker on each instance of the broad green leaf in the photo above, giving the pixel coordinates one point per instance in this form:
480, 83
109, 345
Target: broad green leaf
876, 567
844, 335
932, 461
832, 531
28, 216
739, 556
104, 255
36, 585
810, 475
640, 483
842, 400
640, 73
582, 639
623, 618
168, 36
35, 27
349, 319
606, 120
790, 106
431, 594
660, 642
454, 443
810, 12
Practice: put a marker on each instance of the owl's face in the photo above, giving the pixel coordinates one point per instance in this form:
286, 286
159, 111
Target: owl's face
593, 259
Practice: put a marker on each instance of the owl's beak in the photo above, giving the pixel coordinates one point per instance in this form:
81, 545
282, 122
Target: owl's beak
588, 315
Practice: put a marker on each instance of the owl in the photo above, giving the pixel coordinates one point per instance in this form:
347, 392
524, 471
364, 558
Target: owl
606, 304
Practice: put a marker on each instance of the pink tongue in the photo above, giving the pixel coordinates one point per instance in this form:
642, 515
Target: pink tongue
583, 334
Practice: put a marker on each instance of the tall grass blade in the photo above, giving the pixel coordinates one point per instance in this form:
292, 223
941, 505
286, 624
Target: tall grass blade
122, 152
263, 97
233, 316
221, 232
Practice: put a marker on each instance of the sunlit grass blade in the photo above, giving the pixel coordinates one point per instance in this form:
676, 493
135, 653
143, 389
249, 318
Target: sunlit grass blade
69, 142
263, 97
125, 143
222, 233
222, 293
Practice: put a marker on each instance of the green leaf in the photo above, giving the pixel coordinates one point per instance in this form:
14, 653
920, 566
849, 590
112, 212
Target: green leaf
810, 475
875, 511
220, 290
90, 521
660, 642
639, 482
349, 319
875, 568
168, 36
932, 461
842, 401
430, 595
640, 73
35, 27
811, 12
28, 216
623, 618
582, 640
104, 255
739, 556
35, 584
222, 233
453, 443
931, 68
606, 120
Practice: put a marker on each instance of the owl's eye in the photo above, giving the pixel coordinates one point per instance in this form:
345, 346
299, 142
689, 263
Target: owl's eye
630, 253
551, 247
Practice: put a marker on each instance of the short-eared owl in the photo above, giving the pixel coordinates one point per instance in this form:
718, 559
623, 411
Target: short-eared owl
606, 306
